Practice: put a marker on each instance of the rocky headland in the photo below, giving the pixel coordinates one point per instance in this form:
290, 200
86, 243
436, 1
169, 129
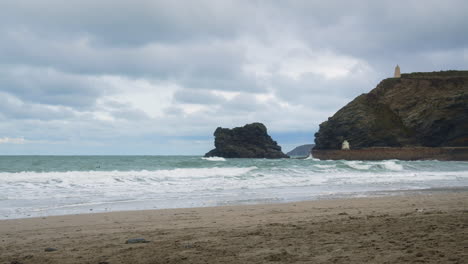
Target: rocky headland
417, 110
249, 141
301, 151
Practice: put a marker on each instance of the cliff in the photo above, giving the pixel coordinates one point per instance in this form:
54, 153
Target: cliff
418, 109
303, 150
249, 141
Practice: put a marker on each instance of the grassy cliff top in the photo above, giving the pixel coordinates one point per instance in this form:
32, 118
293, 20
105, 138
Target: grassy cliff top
443, 74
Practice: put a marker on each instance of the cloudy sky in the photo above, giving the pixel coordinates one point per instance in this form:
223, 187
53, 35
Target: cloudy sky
158, 77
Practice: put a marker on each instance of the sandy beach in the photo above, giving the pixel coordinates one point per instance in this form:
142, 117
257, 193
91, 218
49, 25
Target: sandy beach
413, 228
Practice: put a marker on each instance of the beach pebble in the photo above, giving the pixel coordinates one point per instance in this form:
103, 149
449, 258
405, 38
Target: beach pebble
49, 249
136, 240
188, 246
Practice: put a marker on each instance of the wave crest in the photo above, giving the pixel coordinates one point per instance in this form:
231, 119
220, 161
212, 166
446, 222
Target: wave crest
214, 158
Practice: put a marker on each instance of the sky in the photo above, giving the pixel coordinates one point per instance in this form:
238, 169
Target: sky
146, 77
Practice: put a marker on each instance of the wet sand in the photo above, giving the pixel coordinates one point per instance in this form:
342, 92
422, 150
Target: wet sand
424, 228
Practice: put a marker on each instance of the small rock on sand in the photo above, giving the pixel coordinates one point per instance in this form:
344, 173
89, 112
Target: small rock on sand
136, 240
49, 249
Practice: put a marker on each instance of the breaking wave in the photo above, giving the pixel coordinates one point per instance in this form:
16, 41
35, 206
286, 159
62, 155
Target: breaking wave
196, 181
214, 158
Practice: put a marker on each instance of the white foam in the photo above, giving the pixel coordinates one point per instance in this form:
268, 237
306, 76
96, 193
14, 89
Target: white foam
77, 191
311, 158
392, 165
405, 179
101, 176
324, 166
214, 158
358, 165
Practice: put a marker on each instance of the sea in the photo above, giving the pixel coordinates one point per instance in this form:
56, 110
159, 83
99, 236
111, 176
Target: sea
39, 186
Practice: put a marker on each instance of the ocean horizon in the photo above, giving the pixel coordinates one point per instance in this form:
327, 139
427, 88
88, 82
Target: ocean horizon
38, 186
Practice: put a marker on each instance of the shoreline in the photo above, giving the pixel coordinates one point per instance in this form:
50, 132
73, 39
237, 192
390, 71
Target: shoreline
271, 201
425, 227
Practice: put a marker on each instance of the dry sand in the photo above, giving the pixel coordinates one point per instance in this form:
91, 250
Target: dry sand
428, 228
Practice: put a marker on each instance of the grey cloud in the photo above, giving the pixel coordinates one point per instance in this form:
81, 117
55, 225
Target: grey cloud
320, 93
173, 111
123, 111
13, 108
236, 82
381, 31
125, 23
48, 86
243, 103
210, 65
361, 28
390, 22
189, 96
377, 32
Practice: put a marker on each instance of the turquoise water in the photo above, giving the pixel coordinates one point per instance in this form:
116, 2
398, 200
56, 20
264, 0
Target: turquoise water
54, 185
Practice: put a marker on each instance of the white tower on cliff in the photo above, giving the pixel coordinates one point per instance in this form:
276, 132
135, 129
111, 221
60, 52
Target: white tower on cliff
345, 145
397, 72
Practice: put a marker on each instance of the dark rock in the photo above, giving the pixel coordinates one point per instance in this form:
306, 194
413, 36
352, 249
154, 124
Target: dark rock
249, 141
136, 240
49, 249
418, 109
188, 246
301, 151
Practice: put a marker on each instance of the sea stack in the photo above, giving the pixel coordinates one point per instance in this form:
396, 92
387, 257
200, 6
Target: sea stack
249, 141
416, 116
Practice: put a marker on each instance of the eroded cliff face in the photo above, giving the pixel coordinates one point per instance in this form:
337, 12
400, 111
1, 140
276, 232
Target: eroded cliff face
418, 109
249, 141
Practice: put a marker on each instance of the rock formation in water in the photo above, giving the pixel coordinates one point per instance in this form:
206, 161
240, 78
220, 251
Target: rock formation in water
249, 141
301, 151
419, 109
